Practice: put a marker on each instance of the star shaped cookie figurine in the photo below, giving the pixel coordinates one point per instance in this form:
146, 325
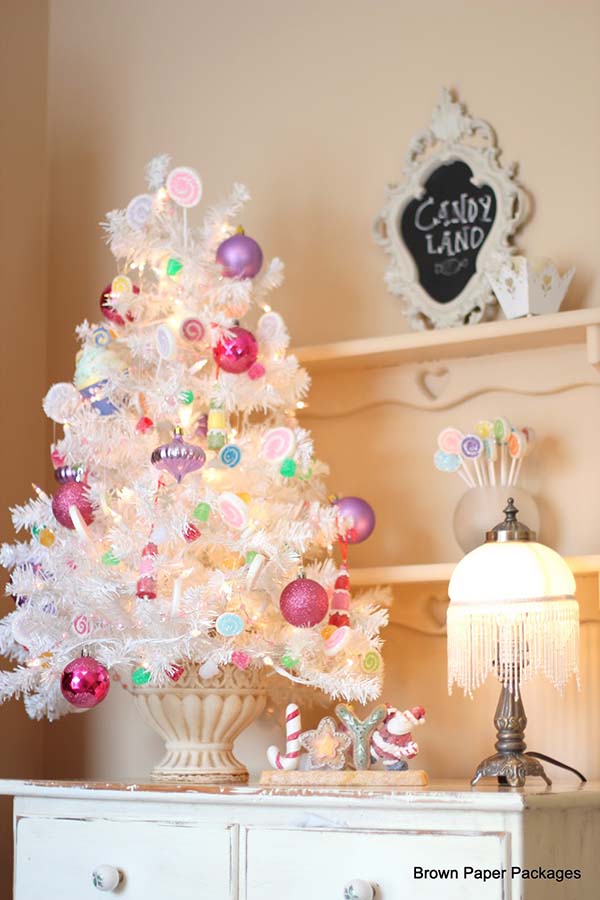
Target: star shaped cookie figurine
326, 746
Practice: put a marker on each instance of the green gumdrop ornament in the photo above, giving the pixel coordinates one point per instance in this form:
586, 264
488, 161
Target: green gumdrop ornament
288, 661
201, 512
141, 676
173, 267
288, 468
186, 397
109, 559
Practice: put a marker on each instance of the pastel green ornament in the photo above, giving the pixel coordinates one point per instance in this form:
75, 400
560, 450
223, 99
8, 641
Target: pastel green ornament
201, 512
109, 558
173, 267
288, 661
360, 731
250, 556
288, 468
141, 676
35, 530
186, 397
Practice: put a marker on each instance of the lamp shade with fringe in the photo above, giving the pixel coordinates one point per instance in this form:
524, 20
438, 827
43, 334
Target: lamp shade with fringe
512, 610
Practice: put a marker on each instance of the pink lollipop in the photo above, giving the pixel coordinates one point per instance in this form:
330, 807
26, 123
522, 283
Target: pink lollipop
192, 329
278, 444
233, 510
184, 186
449, 440
337, 641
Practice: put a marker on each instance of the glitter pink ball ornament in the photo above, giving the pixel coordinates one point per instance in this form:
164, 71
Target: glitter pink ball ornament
304, 603
72, 493
85, 682
236, 352
239, 257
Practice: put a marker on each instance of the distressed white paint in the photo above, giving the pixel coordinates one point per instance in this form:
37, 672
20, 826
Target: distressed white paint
251, 843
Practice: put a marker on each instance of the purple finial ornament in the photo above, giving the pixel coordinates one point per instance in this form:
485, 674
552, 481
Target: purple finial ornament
66, 474
178, 458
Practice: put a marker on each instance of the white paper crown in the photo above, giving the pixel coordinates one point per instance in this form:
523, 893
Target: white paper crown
525, 288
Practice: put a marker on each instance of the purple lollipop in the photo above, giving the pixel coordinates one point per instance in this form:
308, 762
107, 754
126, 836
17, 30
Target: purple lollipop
361, 515
178, 457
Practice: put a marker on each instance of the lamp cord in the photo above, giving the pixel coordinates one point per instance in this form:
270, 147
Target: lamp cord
561, 765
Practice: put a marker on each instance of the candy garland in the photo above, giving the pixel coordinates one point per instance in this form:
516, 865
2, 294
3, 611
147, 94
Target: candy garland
491, 455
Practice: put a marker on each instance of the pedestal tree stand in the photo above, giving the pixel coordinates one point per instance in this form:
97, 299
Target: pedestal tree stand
199, 722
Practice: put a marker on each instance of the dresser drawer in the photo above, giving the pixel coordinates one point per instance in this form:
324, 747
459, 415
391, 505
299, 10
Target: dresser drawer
56, 859
316, 864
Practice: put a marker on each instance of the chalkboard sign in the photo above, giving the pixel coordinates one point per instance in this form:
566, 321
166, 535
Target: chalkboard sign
446, 223
446, 229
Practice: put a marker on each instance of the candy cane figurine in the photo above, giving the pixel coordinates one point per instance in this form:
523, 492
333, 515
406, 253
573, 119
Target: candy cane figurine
293, 729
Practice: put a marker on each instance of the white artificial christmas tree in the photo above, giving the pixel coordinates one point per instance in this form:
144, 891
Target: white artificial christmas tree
188, 495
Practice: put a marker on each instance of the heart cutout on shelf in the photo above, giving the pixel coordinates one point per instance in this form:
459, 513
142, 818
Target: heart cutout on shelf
433, 382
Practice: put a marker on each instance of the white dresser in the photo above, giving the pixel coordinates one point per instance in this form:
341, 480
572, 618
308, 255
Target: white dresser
448, 842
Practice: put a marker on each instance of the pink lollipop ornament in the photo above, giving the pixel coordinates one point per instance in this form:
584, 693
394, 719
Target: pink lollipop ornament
449, 441
184, 187
278, 444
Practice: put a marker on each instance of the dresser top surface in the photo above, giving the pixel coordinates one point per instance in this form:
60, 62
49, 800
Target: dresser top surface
458, 794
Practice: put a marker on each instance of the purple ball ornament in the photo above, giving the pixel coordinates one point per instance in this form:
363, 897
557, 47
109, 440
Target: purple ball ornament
178, 458
85, 682
236, 352
304, 603
239, 256
72, 493
361, 515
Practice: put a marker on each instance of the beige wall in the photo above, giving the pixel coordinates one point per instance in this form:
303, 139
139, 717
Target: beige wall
311, 104
23, 454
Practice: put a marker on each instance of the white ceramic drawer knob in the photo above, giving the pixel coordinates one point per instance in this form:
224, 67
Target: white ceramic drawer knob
359, 890
106, 878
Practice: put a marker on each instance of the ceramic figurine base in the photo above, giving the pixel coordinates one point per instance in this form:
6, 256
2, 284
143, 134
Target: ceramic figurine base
345, 778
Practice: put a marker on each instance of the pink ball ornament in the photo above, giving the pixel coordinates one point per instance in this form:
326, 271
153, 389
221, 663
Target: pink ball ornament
85, 682
361, 517
236, 353
72, 493
239, 257
304, 603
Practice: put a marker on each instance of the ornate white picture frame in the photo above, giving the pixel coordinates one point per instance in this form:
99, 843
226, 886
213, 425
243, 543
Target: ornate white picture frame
443, 226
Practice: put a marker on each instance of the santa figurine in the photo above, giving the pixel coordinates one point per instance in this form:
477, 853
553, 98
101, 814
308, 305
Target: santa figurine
392, 743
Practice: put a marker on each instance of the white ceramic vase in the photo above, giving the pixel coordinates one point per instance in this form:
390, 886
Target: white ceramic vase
481, 508
199, 720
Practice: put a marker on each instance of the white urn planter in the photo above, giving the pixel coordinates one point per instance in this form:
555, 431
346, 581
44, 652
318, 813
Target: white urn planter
199, 719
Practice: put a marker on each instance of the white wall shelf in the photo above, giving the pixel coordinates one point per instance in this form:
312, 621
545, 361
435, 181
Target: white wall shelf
441, 572
581, 326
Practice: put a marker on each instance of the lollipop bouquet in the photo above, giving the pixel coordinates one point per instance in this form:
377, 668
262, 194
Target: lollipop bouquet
488, 460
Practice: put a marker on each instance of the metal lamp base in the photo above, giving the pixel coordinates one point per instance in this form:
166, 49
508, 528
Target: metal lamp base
510, 764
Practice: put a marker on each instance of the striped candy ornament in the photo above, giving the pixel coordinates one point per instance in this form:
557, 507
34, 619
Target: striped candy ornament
293, 730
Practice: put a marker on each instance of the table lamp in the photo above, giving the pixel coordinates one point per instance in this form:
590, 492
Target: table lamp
512, 610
